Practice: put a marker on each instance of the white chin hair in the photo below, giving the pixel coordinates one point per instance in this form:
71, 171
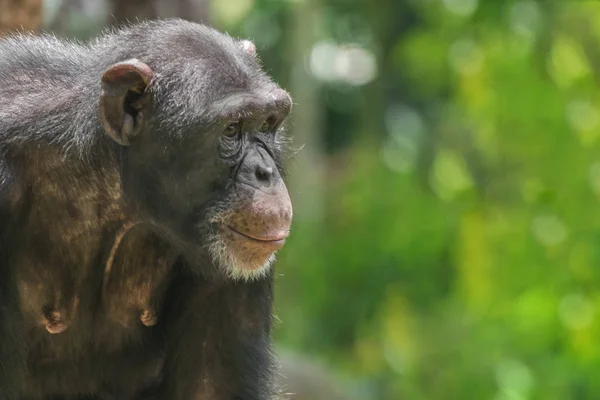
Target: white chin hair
237, 268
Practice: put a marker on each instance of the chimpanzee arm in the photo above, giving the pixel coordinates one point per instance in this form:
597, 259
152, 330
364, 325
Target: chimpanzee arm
11, 344
219, 348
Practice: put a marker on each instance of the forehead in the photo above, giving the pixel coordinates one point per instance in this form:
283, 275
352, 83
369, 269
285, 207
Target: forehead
210, 59
202, 73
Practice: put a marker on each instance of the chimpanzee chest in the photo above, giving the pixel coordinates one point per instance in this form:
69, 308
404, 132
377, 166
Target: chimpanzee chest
84, 333
83, 254
91, 300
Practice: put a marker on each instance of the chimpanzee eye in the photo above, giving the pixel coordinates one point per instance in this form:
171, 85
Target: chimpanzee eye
267, 125
233, 129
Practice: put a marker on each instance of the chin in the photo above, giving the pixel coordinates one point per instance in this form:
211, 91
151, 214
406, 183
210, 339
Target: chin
241, 257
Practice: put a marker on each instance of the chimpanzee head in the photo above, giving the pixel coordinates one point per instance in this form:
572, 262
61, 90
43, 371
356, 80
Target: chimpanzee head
198, 126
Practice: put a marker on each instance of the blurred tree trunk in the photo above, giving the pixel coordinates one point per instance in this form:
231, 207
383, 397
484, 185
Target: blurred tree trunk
132, 10
20, 15
307, 179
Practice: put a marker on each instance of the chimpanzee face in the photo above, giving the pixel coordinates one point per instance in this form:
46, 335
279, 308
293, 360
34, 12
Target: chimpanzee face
201, 146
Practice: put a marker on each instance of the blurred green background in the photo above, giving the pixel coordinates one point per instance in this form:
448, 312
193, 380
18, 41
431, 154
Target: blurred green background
446, 241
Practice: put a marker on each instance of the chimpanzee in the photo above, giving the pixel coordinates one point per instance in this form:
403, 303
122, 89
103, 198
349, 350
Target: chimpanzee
142, 200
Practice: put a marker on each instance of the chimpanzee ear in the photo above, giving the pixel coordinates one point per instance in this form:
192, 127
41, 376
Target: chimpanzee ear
249, 47
124, 100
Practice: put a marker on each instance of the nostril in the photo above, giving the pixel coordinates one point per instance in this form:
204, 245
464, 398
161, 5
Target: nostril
264, 173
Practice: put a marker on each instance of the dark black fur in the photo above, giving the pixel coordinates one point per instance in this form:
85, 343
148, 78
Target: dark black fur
66, 189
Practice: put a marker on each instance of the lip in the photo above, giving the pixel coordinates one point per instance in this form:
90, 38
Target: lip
276, 239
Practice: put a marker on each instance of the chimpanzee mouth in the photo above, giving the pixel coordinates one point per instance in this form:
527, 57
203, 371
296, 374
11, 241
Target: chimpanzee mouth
276, 239
245, 256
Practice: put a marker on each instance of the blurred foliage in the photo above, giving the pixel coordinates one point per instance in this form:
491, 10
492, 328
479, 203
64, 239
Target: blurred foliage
457, 254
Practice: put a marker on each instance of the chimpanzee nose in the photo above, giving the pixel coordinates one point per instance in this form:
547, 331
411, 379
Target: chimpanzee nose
263, 173
258, 169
